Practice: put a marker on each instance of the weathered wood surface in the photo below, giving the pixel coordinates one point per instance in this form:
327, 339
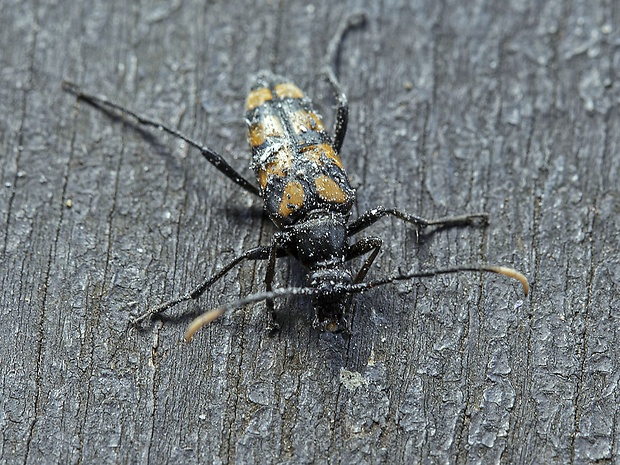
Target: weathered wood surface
505, 107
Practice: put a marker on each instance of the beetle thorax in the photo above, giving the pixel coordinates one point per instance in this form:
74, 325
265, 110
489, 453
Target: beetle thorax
321, 240
321, 245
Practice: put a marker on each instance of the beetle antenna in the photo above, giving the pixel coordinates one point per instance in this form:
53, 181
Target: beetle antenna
211, 315
503, 270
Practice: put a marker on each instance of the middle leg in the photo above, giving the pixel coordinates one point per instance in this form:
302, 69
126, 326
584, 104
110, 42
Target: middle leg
372, 216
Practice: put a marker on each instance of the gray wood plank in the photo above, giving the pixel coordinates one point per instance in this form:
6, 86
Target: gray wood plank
509, 108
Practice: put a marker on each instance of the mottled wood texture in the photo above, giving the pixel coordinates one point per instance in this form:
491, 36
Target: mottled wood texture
505, 107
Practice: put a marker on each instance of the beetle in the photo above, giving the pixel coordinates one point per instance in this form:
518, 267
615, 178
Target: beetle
307, 195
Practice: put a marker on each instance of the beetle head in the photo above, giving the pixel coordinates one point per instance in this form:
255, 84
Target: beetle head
330, 304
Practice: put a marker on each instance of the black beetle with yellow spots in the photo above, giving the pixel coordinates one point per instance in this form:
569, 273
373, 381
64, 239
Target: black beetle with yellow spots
297, 167
308, 196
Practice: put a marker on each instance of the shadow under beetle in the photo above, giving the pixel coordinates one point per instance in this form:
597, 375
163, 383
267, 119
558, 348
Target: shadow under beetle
307, 195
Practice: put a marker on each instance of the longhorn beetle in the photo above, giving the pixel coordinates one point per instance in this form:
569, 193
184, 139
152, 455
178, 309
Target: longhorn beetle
307, 195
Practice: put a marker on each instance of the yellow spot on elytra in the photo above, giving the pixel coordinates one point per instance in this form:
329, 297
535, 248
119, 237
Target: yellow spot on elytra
256, 134
316, 152
328, 190
268, 126
257, 97
303, 120
278, 166
292, 199
288, 89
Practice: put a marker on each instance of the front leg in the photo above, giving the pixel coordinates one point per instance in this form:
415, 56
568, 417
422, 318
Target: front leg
256, 253
371, 217
362, 247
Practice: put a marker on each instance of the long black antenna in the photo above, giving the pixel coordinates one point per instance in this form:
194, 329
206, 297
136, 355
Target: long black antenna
211, 315
503, 270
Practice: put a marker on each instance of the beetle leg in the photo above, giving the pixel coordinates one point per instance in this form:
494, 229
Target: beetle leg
256, 253
212, 157
371, 216
329, 69
362, 247
342, 114
278, 242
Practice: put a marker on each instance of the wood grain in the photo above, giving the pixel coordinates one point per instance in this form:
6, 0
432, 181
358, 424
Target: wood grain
505, 107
